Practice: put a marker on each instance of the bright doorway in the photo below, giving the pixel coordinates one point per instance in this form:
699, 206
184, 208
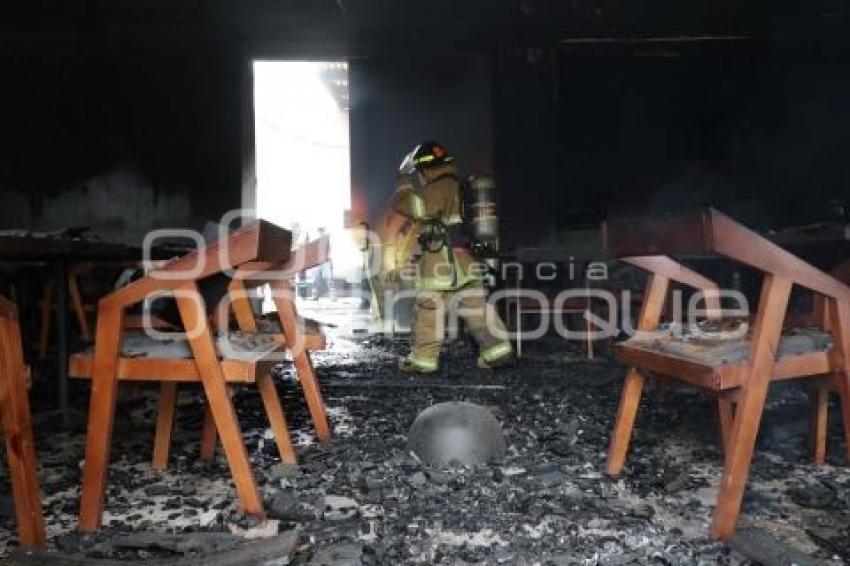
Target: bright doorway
303, 158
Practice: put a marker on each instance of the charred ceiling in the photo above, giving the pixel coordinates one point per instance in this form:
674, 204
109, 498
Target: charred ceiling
358, 28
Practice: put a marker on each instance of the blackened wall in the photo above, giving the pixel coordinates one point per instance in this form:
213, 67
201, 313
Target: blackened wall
123, 142
126, 141
760, 132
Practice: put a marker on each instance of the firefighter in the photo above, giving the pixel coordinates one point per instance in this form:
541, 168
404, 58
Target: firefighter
429, 192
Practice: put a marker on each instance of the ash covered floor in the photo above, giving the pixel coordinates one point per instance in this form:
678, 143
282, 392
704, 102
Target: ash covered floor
365, 499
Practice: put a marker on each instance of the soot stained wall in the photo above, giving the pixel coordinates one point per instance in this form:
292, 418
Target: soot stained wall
120, 142
760, 133
126, 142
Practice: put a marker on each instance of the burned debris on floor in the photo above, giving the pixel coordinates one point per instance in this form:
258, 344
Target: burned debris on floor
366, 499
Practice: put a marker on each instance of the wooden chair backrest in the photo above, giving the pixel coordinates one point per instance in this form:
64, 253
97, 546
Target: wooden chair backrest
277, 275
259, 241
711, 233
305, 256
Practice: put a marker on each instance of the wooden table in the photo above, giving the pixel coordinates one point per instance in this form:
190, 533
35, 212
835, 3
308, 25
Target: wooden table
58, 253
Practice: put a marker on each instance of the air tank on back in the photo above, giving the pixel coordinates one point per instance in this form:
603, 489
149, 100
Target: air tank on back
485, 220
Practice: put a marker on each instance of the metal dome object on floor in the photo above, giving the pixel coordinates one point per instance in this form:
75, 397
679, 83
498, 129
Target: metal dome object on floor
456, 432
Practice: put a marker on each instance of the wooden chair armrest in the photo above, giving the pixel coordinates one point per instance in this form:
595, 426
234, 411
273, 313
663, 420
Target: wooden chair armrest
306, 256
711, 232
259, 241
672, 270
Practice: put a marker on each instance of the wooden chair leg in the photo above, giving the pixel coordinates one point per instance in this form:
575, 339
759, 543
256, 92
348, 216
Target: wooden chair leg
241, 305
626, 414
766, 335
204, 352
725, 422
79, 307
819, 399
164, 424
104, 388
838, 315
46, 316
285, 304
208, 435
17, 430
648, 318
315, 403
844, 401
276, 419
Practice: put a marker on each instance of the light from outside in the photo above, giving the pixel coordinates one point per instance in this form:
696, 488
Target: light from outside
302, 152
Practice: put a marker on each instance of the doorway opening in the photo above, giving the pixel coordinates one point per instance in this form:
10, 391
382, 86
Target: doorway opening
304, 168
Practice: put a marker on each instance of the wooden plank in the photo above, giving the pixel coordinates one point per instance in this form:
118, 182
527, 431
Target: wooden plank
766, 334
168, 369
682, 369
719, 377
104, 391
792, 367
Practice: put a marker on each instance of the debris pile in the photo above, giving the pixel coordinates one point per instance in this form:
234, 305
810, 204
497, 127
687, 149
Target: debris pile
366, 499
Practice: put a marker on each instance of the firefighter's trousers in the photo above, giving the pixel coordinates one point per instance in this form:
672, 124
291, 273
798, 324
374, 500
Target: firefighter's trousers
437, 311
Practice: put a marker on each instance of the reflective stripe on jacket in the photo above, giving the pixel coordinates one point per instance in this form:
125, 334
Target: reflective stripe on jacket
439, 200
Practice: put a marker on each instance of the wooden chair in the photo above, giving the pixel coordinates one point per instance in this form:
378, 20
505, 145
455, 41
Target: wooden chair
741, 382
518, 306
17, 429
259, 241
77, 304
297, 336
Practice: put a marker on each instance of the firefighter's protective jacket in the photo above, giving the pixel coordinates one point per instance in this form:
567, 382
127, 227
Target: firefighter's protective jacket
437, 207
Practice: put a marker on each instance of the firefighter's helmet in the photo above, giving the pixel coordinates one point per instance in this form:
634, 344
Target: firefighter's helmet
425, 155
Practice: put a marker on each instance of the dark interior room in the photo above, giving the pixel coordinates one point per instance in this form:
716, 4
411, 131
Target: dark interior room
345, 282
